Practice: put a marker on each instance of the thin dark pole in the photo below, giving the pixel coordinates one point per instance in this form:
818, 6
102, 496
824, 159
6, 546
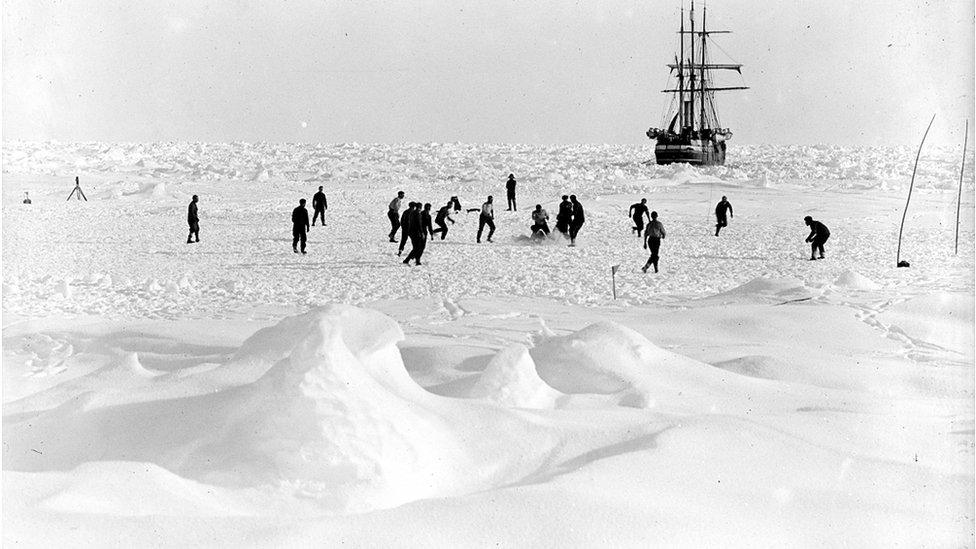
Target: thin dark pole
910, 186
965, 141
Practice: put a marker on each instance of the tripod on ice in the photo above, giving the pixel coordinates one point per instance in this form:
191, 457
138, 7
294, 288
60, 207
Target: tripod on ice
77, 189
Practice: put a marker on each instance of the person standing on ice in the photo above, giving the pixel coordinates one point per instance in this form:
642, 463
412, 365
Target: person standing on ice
418, 231
319, 205
540, 221
487, 218
510, 189
394, 215
443, 214
720, 209
27, 199
818, 236
564, 215
638, 212
654, 234
410, 216
578, 219
299, 226
193, 220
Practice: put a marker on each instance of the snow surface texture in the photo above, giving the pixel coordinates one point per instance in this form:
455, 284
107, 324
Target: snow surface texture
233, 393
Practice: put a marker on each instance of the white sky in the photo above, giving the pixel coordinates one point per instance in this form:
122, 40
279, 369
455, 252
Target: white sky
834, 71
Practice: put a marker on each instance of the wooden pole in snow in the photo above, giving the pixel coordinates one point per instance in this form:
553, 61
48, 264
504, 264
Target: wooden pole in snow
965, 141
613, 279
910, 186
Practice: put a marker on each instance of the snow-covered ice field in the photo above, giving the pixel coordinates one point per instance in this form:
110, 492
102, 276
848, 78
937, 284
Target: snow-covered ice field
234, 393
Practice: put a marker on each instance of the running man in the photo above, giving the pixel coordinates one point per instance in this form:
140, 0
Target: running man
443, 214
319, 205
638, 212
818, 236
510, 188
720, 209
193, 220
487, 217
654, 234
299, 226
540, 221
578, 219
394, 215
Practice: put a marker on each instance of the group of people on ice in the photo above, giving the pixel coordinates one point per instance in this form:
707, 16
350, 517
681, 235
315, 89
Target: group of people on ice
416, 223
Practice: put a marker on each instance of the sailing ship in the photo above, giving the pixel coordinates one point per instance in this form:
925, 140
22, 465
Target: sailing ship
694, 135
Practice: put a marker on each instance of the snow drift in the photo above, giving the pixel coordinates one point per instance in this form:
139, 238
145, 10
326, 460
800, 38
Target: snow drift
333, 417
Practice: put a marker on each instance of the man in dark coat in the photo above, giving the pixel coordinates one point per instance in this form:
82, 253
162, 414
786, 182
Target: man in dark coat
818, 236
299, 226
410, 217
638, 212
443, 214
578, 219
418, 236
319, 205
510, 188
564, 215
720, 219
193, 220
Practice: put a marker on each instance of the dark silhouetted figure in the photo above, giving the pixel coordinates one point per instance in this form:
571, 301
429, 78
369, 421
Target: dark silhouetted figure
578, 219
564, 215
319, 205
487, 217
394, 215
653, 236
638, 212
818, 236
510, 188
720, 209
418, 236
193, 220
410, 216
443, 214
27, 199
299, 226
540, 221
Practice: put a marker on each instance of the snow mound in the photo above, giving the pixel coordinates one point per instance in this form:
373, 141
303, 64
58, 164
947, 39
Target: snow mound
762, 289
335, 420
855, 281
609, 359
510, 379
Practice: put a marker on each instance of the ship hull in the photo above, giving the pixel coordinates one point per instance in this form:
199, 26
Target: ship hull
700, 153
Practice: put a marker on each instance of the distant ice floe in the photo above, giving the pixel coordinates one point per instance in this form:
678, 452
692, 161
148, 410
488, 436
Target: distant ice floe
597, 169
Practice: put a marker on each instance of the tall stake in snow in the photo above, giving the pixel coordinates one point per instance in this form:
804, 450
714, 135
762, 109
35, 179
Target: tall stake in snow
965, 141
910, 186
613, 279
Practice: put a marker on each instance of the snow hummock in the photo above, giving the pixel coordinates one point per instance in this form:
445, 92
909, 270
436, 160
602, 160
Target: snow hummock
855, 281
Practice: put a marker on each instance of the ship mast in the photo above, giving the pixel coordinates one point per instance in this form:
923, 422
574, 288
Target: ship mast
701, 119
681, 75
691, 100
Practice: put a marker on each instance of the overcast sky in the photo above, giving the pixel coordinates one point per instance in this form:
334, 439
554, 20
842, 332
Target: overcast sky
833, 71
